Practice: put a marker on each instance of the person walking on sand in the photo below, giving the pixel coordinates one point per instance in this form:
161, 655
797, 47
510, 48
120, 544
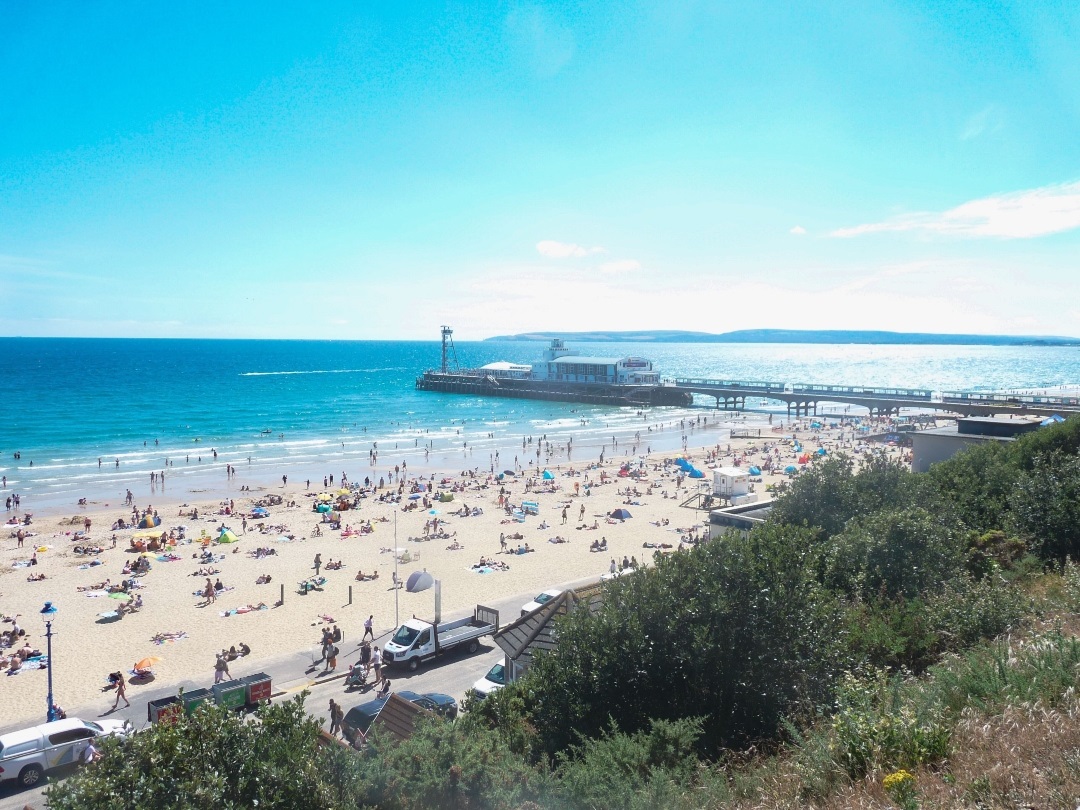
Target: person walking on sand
369, 628
221, 669
318, 563
121, 691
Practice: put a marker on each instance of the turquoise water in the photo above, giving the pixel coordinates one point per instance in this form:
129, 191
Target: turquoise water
295, 406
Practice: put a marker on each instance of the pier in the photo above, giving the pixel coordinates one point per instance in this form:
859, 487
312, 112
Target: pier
803, 399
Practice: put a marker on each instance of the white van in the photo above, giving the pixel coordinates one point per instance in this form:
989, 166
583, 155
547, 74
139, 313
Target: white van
26, 755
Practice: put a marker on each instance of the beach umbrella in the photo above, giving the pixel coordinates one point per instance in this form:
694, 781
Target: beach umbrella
148, 662
344, 491
323, 507
696, 473
419, 581
325, 496
511, 473
120, 596
621, 514
548, 475
433, 511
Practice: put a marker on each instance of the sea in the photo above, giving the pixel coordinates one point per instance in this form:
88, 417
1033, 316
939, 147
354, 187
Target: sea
91, 418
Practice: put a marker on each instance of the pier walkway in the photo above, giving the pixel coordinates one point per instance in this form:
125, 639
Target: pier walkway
803, 399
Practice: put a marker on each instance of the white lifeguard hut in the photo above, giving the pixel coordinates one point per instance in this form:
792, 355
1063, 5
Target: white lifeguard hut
733, 484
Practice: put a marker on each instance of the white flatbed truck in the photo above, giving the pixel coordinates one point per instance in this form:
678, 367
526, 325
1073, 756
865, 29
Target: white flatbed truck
417, 640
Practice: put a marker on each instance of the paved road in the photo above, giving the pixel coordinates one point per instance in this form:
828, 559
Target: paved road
295, 672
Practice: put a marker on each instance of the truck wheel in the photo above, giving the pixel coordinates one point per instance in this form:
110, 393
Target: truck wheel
474, 645
30, 775
414, 664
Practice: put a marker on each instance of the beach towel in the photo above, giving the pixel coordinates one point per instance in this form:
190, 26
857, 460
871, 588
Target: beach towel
169, 637
243, 609
85, 566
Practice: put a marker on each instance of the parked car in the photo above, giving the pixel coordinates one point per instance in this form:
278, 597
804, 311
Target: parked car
26, 755
359, 718
493, 681
540, 599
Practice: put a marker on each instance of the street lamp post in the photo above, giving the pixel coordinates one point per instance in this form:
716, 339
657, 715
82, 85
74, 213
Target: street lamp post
48, 612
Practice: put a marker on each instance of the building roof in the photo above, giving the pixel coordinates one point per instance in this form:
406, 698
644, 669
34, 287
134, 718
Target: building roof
954, 431
536, 629
398, 717
503, 365
591, 361
732, 472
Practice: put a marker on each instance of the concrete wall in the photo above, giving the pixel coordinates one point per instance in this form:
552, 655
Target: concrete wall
929, 447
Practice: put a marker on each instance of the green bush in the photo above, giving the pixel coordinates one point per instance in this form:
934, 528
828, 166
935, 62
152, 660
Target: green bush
1041, 669
967, 611
736, 631
1046, 506
894, 553
213, 759
445, 765
882, 722
618, 770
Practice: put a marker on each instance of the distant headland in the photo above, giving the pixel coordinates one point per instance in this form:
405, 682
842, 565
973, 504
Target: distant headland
797, 336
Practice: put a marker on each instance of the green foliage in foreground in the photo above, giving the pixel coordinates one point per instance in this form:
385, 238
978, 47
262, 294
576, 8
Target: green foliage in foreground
736, 632
210, 760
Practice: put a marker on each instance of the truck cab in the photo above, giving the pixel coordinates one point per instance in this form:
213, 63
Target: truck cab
414, 639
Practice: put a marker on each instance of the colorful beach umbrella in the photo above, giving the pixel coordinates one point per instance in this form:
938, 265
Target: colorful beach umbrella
148, 662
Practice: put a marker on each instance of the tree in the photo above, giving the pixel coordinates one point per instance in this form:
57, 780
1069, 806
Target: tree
905, 553
1046, 507
832, 492
977, 483
213, 759
736, 631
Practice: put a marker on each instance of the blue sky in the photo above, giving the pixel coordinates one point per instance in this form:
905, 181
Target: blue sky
371, 171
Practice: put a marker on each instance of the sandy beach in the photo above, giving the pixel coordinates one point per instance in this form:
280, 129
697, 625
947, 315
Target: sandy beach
177, 624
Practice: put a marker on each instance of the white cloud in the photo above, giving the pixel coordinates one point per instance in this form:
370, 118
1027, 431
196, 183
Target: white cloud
1017, 215
564, 250
798, 230
620, 266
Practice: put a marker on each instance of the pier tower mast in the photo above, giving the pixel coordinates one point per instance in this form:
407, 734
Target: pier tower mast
448, 341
